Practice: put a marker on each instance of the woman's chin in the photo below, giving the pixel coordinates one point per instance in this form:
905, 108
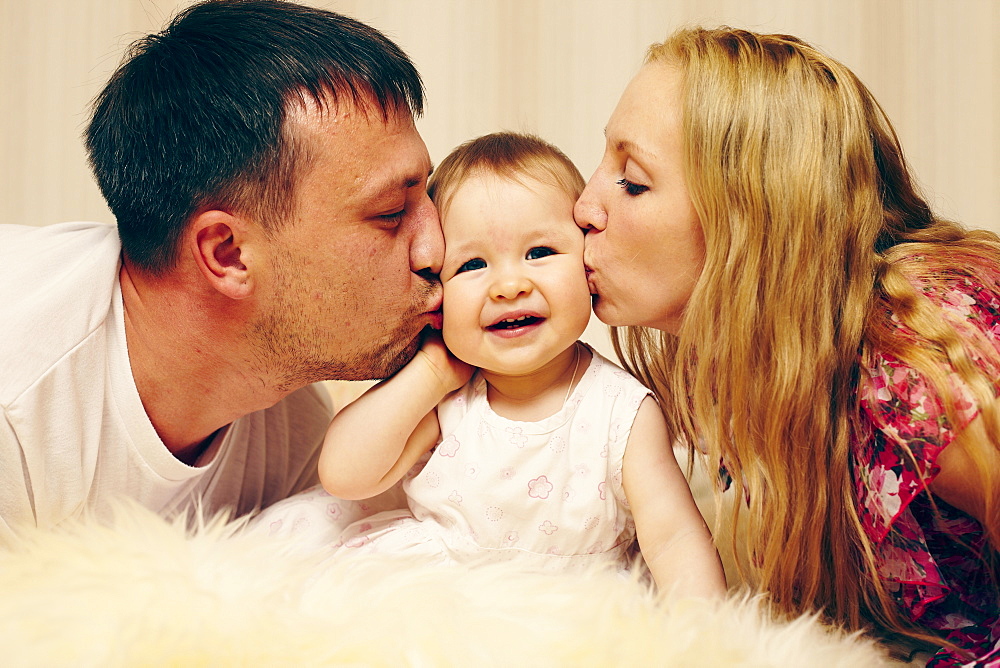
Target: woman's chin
612, 315
605, 311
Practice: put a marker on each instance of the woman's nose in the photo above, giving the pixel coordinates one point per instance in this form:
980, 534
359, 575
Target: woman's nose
587, 212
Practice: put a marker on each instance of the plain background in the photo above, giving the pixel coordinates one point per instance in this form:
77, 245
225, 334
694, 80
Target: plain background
552, 67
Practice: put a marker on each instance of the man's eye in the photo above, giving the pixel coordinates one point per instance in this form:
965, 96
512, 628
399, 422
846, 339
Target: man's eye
472, 265
392, 219
539, 252
632, 189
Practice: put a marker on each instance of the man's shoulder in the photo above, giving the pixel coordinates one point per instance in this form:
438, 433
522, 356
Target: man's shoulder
54, 238
34, 259
56, 289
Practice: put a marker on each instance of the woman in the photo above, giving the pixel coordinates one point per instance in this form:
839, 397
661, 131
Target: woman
755, 239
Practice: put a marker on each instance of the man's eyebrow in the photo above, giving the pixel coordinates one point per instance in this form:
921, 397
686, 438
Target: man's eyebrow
413, 183
394, 186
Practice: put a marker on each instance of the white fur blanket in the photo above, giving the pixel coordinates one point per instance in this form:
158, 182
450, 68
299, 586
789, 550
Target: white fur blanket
144, 591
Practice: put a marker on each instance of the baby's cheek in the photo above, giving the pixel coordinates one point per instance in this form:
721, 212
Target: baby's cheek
451, 311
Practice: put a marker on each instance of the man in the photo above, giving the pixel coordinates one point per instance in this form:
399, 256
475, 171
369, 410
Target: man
269, 185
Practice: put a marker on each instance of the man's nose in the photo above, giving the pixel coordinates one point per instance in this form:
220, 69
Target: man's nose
427, 247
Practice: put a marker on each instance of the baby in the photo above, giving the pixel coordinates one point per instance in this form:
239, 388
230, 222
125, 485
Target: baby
541, 449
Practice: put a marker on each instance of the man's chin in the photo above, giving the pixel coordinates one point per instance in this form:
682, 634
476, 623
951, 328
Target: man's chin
377, 364
401, 358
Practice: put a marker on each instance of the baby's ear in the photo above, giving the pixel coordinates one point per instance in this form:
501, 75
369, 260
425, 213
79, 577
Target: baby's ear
218, 240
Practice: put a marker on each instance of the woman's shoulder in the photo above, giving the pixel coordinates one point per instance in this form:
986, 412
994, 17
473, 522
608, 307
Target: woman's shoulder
967, 300
903, 422
962, 281
899, 397
972, 295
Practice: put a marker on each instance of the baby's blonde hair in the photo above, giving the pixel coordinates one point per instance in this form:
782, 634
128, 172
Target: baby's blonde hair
510, 155
812, 229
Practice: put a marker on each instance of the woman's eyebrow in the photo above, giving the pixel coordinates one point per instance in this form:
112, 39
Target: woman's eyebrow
629, 146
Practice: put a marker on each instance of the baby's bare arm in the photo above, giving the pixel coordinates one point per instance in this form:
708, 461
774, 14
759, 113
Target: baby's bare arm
675, 541
378, 437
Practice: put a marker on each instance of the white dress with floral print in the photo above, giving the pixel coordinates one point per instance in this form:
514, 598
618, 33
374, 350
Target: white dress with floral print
548, 492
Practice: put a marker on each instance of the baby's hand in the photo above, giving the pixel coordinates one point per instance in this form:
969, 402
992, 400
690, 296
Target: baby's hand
452, 372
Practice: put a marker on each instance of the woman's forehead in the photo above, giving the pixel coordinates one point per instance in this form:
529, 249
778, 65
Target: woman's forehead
648, 116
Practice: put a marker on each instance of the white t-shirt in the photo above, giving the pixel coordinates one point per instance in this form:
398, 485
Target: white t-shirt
74, 434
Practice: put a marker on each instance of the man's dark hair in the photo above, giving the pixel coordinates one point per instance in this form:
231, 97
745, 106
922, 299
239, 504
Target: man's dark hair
194, 117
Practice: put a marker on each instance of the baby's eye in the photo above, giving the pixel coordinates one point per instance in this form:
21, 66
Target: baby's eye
539, 252
472, 265
632, 189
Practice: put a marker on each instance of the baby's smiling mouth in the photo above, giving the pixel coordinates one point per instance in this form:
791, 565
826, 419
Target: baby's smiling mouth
513, 323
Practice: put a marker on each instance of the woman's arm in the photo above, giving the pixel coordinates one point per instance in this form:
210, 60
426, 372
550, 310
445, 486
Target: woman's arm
675, 541
379, 436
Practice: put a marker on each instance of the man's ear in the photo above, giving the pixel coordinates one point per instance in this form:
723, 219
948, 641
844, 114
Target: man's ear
219, 243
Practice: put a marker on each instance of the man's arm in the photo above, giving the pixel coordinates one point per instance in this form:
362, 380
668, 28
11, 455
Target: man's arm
378, 437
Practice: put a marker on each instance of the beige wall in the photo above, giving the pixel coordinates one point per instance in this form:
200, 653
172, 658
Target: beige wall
554, 67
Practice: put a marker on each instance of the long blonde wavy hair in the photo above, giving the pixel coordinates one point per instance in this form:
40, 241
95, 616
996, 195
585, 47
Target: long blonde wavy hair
812, 230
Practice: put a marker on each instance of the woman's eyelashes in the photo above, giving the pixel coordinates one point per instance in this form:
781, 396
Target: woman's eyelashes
631, 188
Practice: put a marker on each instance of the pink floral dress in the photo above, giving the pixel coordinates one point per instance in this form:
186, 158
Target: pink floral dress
928, 554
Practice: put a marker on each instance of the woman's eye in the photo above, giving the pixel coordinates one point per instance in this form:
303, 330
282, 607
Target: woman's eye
539, 252
632, 189
472, 265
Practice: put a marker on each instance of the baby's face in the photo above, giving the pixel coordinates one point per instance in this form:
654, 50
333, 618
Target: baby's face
515, 289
